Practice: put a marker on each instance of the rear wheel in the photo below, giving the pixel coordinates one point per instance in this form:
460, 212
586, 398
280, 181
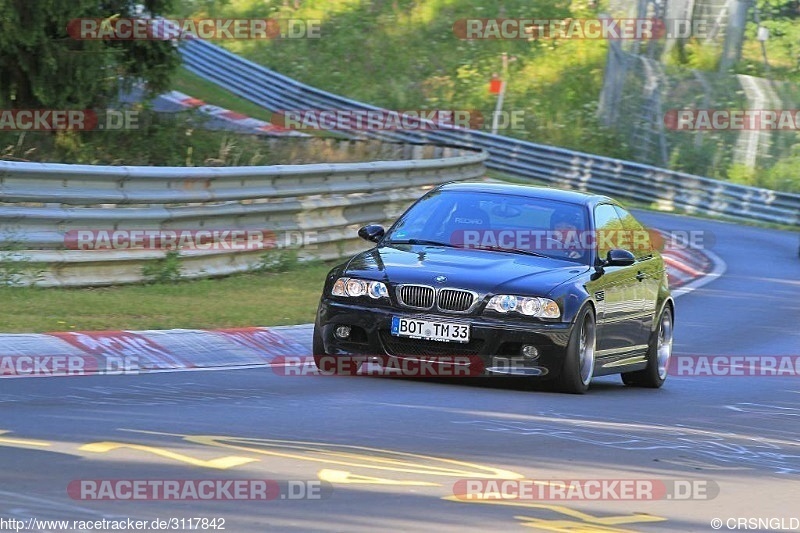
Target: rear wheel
578, 369
658, 356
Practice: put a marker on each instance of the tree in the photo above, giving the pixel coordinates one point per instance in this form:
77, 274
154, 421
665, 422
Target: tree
41, 66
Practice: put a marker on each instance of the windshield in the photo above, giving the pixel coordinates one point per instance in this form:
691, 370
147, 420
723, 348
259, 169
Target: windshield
497, 222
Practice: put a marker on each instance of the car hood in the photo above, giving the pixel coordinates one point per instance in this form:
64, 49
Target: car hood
483, 271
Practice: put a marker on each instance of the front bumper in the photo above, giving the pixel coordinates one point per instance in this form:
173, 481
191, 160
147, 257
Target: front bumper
494, 341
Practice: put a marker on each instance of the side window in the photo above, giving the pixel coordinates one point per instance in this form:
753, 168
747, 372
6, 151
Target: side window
608, 225
637, 238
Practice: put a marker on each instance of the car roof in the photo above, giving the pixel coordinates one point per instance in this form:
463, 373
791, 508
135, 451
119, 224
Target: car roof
530, 191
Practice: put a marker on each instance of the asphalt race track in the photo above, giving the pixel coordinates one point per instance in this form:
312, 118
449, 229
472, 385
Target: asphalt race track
385, 454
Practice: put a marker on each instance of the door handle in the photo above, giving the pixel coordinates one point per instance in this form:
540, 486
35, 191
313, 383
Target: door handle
641, 275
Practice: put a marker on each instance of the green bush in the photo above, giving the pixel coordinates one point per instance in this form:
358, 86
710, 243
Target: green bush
164, 270
785, 174
403, 54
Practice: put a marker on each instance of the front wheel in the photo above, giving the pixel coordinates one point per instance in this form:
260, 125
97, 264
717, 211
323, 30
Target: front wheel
578, 369
658, 356
317, 347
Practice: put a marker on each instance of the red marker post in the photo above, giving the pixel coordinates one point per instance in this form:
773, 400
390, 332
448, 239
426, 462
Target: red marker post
497, 86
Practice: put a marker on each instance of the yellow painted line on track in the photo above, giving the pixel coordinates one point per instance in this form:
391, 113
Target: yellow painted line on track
350, 456
411, 465
22, 443
582, 522
220, 463
344, 477
363, 457
568, 526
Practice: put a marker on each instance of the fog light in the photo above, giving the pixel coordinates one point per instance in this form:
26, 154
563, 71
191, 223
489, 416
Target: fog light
342, 332
530, 351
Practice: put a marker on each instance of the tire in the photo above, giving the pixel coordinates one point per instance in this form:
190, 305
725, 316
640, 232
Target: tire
578, 369
658, 355
317, 347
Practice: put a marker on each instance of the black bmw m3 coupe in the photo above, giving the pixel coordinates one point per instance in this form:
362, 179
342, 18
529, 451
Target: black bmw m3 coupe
518, 280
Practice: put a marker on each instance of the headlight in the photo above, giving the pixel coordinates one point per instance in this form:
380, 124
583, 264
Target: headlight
355, 287
376, 289
352, 287
536, 307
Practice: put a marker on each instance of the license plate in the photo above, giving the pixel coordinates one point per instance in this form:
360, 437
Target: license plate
429, 330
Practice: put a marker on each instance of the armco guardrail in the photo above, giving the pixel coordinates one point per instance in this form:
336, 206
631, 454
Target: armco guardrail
40, 204
556, 166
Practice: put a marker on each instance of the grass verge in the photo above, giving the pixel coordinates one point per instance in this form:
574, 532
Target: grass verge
257, 299
211, 93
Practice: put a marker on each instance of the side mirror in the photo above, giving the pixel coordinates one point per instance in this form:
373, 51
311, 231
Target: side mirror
371, 232
619, 258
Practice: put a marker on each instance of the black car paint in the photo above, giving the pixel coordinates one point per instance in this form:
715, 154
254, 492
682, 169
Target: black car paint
626, 299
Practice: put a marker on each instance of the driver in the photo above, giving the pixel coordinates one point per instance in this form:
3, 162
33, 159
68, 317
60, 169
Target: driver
565, 227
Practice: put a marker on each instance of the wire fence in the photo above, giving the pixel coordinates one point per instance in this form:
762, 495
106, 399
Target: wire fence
643, 89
